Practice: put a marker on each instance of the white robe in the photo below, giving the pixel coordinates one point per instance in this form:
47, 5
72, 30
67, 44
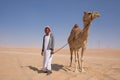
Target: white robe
47, 55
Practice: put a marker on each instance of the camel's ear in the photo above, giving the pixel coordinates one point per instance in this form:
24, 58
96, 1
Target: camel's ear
85, 12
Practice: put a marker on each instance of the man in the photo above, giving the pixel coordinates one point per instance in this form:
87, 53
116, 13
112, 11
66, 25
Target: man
47, 50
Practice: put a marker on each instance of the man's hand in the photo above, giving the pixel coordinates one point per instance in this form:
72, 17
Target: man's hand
42, 53
52, 51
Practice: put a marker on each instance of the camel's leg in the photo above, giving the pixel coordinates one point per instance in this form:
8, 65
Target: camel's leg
71, 56
82, 52
76, 60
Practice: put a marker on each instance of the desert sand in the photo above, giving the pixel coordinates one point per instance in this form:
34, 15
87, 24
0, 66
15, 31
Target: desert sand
26, 63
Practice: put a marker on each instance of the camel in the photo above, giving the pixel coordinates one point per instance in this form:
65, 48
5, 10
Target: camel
78, 39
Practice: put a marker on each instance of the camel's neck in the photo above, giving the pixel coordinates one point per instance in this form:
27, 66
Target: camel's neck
85, 30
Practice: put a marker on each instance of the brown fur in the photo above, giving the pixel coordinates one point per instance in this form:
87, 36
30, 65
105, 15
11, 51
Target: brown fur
78, 38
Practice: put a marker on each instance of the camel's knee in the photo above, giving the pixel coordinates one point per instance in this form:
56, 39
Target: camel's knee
76, 60
82, 59
71, 58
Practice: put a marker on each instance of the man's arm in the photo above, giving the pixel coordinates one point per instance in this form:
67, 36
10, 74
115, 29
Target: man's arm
42, 46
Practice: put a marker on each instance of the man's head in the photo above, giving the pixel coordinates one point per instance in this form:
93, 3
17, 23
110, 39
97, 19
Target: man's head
47, 30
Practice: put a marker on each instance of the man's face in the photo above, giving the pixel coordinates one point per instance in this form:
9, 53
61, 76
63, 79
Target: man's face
47, 31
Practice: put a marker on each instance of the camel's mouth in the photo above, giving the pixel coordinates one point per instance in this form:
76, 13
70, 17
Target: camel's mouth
97, 14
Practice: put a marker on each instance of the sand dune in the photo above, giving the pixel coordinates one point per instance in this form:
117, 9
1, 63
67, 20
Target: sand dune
26, 64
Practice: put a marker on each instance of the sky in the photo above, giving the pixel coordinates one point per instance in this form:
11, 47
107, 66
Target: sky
22, 22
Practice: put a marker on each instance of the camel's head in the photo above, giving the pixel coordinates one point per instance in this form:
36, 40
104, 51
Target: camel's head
89, 16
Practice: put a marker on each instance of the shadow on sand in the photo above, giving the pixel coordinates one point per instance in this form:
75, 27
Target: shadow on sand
55, 67
35, 69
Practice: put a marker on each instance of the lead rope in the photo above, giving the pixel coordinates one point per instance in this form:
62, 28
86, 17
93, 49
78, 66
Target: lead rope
61, 47
65, 45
